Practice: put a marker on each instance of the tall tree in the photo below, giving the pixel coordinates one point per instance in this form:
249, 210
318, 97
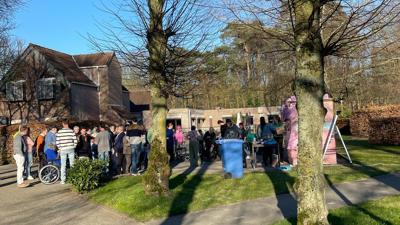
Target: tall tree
315, 29
8, 46
309, 88
161, 39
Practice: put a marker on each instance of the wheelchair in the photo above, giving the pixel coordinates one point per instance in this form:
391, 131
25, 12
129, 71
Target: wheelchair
182, 152
50, 173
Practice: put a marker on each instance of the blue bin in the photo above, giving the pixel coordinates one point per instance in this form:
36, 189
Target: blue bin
232, 156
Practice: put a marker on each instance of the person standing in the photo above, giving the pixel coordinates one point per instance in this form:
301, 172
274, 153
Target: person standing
179, 136
19, 149
66, 143
170, 142
290, 117
231, 131
118, 149
243, 131
40, 142
93, 145
83, 148
136, 136
50, 139
201, 147
127, 159
76, 132
193, 137
103, 141
222, 128
208, 142
266, 132
28, 155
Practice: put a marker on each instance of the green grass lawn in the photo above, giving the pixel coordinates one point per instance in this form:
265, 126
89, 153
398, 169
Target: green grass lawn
196, 192
382, 211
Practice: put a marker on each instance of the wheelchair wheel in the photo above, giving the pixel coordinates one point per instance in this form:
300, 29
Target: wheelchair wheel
49, 174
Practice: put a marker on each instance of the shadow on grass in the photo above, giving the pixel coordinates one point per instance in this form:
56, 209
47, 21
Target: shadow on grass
363, 144
181, 202
285, 201
375, 173
349, 203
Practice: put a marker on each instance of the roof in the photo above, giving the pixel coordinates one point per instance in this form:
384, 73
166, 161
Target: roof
65, 63
124, 88
142, 97
123, 112
96, 59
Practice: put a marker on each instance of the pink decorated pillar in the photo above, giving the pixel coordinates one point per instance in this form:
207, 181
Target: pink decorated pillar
330, 156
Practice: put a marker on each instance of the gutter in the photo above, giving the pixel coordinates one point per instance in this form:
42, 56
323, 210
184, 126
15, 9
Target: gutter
89, 85
91, 67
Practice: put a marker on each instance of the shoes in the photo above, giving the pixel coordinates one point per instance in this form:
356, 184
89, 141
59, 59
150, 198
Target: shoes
23, 185
30, 178
62, 182
141, 171
135, 174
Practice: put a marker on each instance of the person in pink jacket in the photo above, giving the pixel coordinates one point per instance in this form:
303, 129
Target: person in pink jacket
290, 117
179, 136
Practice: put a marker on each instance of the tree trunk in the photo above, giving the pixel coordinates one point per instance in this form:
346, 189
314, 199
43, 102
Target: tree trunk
309, 89
156, 179
247, 59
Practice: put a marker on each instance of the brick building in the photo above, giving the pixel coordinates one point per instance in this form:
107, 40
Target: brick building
45, 84
204, 119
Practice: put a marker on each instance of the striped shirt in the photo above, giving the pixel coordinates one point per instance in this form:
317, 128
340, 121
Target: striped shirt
66, 139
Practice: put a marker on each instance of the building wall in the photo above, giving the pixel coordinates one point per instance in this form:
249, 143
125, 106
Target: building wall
98, 75
125, 100
31, 67
204, 119
109, 82
114, 83
87, 107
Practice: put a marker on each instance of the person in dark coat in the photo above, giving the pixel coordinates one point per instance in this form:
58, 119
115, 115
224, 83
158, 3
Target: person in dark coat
170, 142
232, 131
83, 148
118, 150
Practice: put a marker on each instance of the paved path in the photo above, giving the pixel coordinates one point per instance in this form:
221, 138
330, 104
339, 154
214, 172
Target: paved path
49, 204
271, 209
55, 204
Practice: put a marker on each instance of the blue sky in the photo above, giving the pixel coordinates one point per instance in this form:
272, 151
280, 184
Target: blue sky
58, 24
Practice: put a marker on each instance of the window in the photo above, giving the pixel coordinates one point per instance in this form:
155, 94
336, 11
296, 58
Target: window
15, 90
46, 88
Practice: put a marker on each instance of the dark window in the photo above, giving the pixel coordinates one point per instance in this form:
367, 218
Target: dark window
15, 90
46, 88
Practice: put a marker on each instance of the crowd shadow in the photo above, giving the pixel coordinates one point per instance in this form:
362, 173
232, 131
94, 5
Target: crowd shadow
181, 202
283, 183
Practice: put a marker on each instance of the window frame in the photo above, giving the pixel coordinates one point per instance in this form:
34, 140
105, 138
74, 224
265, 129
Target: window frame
46, 83
18, 85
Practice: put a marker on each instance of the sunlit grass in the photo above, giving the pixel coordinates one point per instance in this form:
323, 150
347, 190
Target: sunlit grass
377, 212
197, 192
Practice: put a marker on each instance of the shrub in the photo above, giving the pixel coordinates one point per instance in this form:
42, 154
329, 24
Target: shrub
86, 174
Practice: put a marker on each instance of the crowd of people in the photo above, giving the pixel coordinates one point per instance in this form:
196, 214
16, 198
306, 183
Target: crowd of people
203, 147
124, 148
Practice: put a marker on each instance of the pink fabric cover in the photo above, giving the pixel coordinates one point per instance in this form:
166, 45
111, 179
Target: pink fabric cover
179, 136
330, 156
290, 117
